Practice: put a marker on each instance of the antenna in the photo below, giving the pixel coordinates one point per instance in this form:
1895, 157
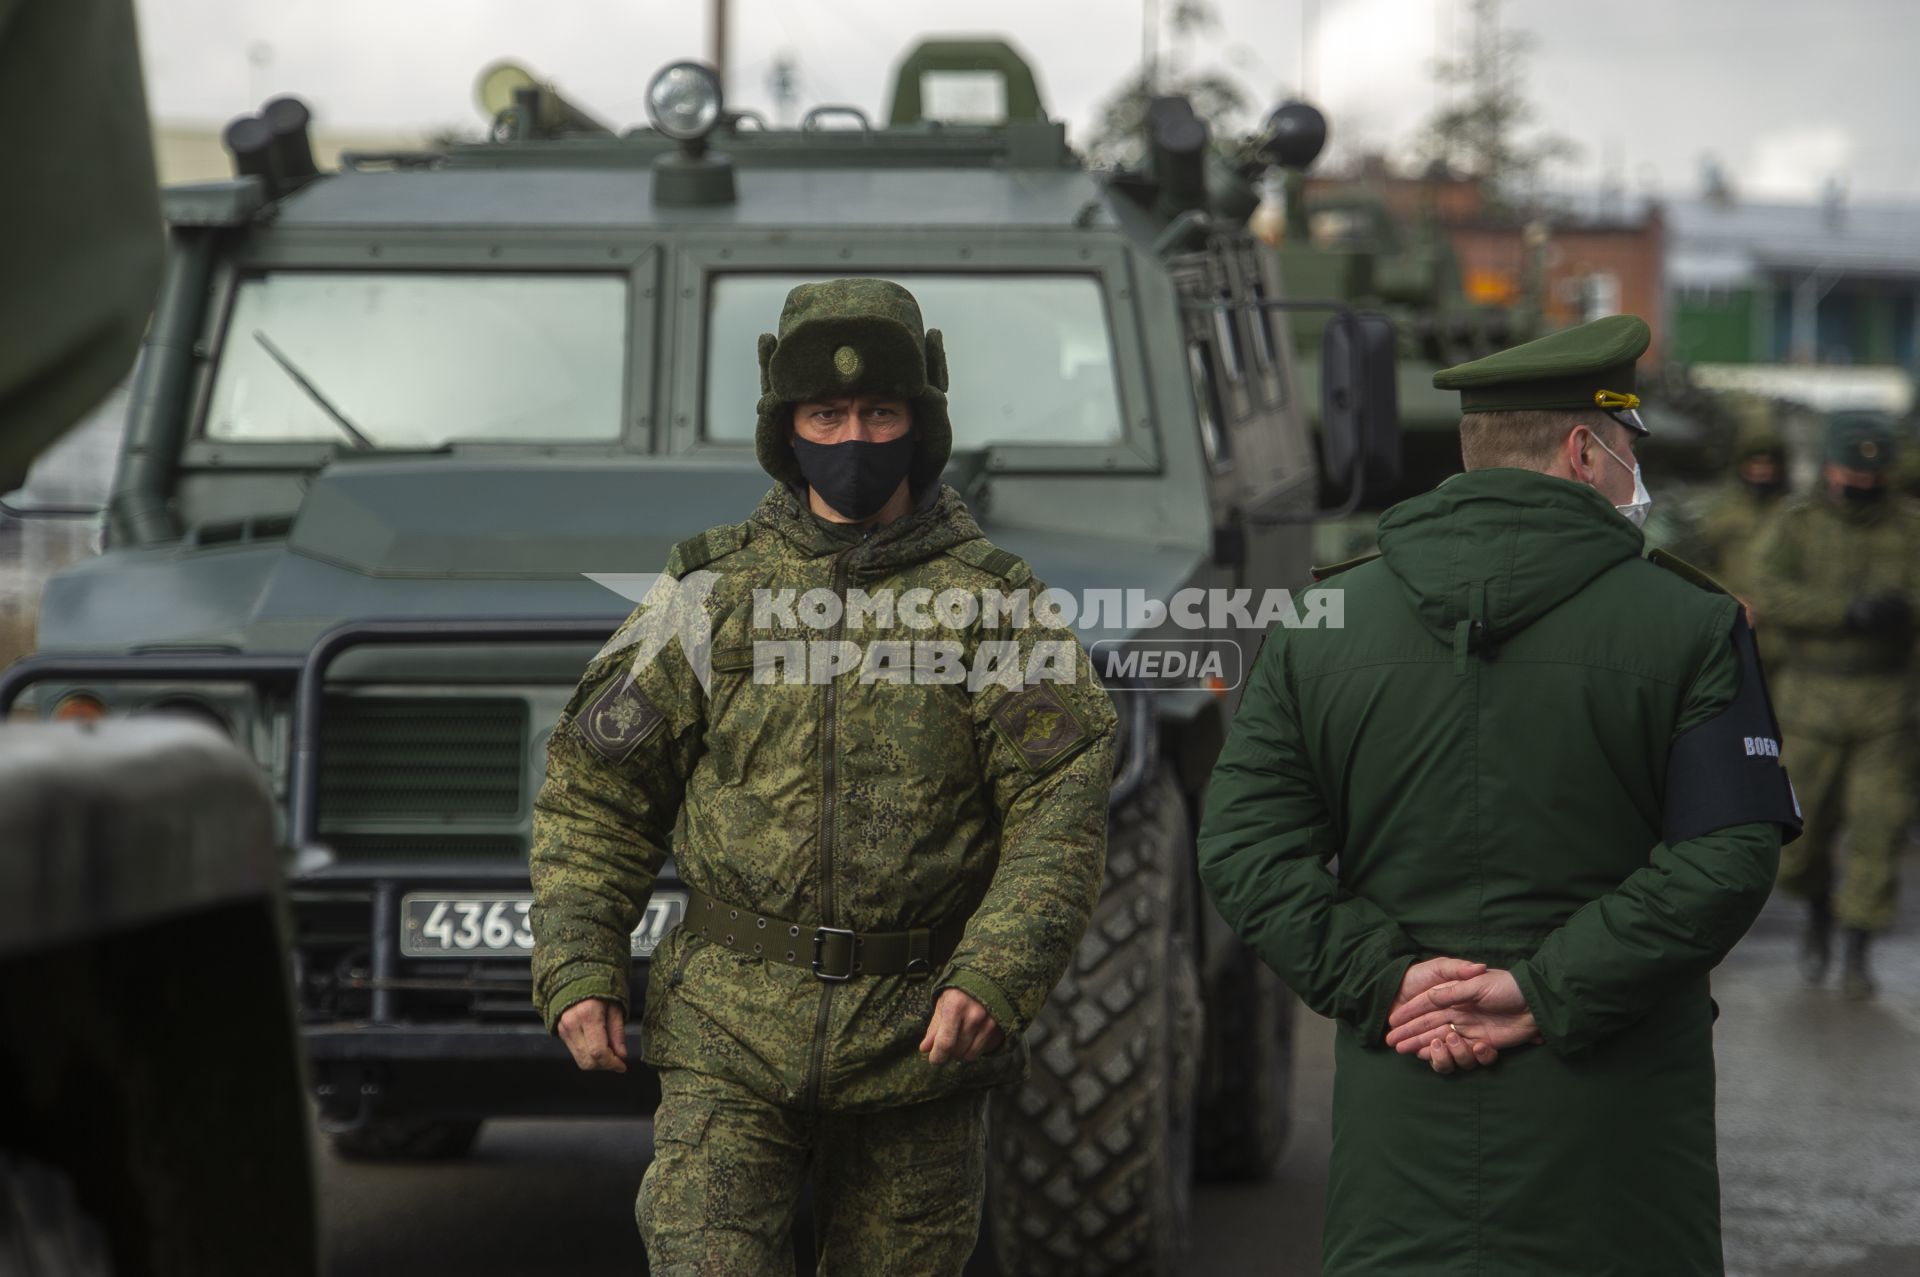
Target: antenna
719, 58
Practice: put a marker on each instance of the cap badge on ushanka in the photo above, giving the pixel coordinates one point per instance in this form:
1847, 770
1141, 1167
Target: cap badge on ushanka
846, 363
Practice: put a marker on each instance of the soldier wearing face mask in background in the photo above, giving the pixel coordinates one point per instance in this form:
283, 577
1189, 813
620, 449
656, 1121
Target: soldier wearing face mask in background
1728, 531
1733, 516
1837, 574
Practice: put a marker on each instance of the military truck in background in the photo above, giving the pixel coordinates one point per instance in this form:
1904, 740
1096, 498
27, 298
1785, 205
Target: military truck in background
1348, 244
402, 435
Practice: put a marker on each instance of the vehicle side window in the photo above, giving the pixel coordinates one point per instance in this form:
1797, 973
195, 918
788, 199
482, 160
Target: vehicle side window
1201, 365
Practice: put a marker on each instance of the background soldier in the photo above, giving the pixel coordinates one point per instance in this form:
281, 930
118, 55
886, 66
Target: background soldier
1732, 515
1532, 752
855, 849
1837, 576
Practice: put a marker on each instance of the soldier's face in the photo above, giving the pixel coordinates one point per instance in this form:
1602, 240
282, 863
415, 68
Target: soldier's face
1761, 469
865, 418
1840, 478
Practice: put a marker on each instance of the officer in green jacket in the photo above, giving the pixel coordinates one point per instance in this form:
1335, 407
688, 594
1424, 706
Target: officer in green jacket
889, 804
1838, 576
1548, 772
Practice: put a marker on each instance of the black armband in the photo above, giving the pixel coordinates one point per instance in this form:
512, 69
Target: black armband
1726, 771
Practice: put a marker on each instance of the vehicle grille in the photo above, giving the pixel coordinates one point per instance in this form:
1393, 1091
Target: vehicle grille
434, 847
386, 757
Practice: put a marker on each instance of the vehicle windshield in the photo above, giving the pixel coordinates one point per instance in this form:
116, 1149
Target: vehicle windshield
1031, 355
403, 360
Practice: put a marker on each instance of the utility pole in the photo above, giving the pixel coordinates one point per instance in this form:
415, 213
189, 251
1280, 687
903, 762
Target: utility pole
719, 58
1308, 24
1150, 43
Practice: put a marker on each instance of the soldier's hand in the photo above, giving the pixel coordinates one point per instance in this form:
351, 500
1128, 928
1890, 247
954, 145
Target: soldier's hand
1422, 976
595, 1030
1487, 1010
961, 1029
1876, 613
1449, 1051
1896, 612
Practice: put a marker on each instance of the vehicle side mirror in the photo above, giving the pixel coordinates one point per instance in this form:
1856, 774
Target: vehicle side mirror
1360, 401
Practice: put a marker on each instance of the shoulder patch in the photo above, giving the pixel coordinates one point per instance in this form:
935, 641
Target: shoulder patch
991, 559
1686, 571
618, 718
1039, 726
714, 543
1335, 569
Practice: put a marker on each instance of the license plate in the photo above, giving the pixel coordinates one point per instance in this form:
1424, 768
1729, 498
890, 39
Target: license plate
494, 924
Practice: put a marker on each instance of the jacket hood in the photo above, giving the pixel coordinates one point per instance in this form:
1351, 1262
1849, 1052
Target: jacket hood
1501, 548
938, 521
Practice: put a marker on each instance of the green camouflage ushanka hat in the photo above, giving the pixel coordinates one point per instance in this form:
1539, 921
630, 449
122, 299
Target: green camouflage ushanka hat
1589, 367
1861, 440
853, 337
1756, 430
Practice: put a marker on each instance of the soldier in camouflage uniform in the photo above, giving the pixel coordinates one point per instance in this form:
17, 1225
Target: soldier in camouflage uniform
889, 870
1731, 519
1837, 574
1723, 541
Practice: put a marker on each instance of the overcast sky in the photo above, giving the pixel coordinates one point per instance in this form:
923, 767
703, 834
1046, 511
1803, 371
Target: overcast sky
1787, 93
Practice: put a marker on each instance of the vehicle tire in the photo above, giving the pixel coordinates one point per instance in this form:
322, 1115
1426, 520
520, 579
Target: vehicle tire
44, 1230
402, 1141
1091, 1161
1246, 1076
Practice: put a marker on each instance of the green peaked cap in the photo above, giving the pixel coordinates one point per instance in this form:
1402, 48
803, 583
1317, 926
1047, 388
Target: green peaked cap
1563, 370
860, 336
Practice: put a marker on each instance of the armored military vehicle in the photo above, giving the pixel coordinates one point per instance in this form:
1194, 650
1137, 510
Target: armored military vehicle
402, 435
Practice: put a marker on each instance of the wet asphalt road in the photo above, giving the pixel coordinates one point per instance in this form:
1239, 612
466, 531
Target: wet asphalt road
1819, 1152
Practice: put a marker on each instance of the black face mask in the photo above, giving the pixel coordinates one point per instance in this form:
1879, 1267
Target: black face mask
854, 477
1860, 498
1765, 487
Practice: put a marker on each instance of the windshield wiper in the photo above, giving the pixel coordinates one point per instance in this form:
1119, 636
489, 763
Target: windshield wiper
312, 391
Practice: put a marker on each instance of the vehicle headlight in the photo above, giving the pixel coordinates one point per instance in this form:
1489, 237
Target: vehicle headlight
684, 101
78, 707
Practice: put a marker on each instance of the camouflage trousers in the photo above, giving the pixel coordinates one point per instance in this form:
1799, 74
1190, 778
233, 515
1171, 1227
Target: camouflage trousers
895, 1192
1859, 787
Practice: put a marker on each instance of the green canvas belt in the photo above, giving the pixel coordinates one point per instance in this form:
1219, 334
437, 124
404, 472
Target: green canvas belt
834, 954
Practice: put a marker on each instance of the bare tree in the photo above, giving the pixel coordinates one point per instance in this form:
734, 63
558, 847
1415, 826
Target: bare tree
1477, 133
1118, 139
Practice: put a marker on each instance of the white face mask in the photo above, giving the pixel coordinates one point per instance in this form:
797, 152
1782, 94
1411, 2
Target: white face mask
1636, 509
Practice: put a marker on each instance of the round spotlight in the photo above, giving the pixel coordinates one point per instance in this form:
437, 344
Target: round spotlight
78, 707
1295, 133
684, 102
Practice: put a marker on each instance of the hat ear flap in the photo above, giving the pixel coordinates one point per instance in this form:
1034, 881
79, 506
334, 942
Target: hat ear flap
767, 344
936, 360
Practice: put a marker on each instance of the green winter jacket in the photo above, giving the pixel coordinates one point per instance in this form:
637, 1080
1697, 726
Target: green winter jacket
861, 802
1483, 748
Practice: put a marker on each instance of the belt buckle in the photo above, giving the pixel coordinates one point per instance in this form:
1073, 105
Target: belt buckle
820, 935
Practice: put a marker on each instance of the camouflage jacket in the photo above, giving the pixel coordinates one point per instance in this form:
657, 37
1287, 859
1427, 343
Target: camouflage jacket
859, 802
1815, 558
1729, 533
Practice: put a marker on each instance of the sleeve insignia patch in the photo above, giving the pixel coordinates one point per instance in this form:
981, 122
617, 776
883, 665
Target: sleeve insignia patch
1039, 726
618, 718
